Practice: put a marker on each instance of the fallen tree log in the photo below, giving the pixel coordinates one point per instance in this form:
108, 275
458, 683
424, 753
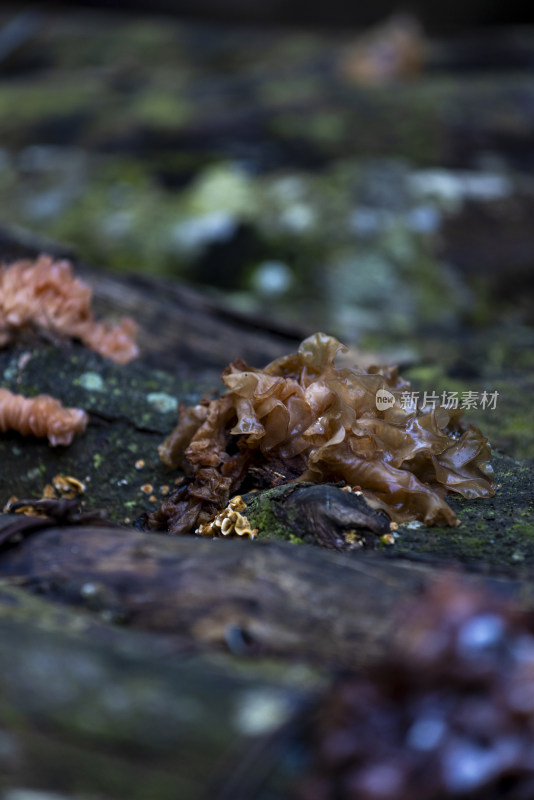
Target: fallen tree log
275, 599
77, 699
181, 330
126, 718
98, 709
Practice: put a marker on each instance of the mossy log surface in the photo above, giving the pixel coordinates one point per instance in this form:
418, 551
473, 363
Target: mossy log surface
120, 717
137, 665
269, 599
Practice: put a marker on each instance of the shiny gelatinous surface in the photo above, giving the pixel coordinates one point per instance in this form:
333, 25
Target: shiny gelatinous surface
323, 423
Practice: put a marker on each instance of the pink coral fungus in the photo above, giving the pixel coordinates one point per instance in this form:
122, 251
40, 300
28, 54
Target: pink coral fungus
304, 417
45, 294
41, 416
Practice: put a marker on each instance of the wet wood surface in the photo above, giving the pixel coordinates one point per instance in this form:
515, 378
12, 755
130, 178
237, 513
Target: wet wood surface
125, 717
295, 602
109, 679
90, 707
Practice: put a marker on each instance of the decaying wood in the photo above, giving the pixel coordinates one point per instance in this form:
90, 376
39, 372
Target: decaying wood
251, 598
179, 327
127, 719
76, 713
89, 707
328, 515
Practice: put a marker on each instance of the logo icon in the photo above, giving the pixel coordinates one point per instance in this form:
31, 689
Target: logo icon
384, 399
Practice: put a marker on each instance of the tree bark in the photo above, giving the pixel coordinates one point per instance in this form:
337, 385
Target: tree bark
127, 718
271, 599
89, 709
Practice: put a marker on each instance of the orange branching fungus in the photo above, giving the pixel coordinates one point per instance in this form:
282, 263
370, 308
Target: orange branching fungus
303, 417
41, 416
44, 293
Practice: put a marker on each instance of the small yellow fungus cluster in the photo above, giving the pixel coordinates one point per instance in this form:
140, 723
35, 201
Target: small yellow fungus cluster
64, 487
229, 522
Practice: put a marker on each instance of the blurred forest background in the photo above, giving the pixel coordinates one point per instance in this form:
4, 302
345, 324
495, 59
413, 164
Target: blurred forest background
369, 174
363, 169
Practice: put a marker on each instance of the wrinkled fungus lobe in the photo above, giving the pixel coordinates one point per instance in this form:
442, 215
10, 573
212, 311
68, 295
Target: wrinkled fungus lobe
45, 294
41, 416
304, 417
